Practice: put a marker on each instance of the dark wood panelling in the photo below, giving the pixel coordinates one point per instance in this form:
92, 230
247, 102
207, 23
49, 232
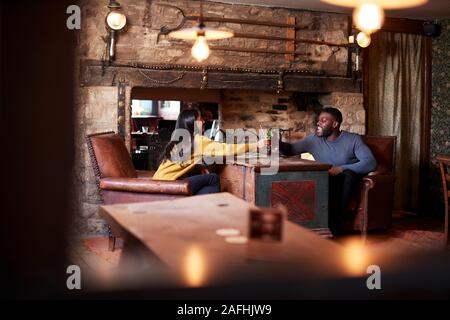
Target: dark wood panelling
92, 74
403, 25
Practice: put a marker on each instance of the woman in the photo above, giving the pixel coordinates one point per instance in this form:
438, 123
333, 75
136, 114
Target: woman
186, 150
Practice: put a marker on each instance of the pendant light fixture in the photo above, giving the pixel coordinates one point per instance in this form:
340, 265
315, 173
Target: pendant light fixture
368, 15
200, 33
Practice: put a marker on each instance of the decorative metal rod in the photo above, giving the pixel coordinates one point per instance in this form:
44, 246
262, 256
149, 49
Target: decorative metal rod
166, 30
257, 50
256, 22
302, 40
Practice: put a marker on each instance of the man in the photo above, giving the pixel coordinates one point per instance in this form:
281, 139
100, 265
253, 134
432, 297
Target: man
346, 152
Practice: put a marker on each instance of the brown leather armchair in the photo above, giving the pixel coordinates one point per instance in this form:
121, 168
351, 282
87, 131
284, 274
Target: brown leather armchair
373, 209
119, 182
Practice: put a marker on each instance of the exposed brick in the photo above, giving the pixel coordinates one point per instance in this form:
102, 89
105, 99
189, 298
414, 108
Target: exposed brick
96, 107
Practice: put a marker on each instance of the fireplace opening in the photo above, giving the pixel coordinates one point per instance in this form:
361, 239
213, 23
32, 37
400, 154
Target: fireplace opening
154, 112
293, 114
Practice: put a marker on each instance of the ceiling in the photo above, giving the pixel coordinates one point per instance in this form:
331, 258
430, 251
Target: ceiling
433, 10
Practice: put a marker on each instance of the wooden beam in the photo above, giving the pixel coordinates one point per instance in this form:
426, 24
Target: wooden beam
290, 34
92, 75
403, 25
321, 84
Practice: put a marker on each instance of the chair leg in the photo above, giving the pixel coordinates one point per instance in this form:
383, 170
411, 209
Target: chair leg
364, 224
364, 233
111, 240
111, 243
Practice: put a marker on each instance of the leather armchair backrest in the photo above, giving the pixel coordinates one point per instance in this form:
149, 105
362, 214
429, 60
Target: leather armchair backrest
383, 149
110, 155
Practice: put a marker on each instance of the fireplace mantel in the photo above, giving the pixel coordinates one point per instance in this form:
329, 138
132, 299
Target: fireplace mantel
94, 74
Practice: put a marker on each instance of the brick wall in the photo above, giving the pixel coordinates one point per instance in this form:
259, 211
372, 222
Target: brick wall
96, 107
250, 109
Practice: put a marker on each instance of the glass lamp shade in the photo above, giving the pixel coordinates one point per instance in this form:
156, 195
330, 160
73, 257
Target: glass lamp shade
209, 33
116, 20
363, 40
200, 49
386, 4
368, 17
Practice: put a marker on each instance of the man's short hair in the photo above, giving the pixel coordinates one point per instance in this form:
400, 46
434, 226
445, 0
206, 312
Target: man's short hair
337, 115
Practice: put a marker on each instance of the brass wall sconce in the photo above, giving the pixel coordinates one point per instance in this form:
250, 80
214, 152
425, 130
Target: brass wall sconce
362, 39
356, 43
115, 22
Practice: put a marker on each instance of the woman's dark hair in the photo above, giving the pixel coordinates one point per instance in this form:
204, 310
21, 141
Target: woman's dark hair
186, 121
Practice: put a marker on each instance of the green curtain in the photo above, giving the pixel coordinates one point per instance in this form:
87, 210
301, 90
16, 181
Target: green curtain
396, 92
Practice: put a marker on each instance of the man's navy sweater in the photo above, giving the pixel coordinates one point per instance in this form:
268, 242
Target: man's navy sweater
348, 151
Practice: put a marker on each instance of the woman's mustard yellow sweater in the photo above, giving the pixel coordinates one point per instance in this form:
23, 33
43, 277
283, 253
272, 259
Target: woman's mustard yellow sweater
203, 146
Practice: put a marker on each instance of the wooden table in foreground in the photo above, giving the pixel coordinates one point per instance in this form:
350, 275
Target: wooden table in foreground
182, 235
300, 185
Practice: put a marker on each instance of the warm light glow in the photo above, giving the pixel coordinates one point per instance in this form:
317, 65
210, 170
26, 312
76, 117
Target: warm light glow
200, 49
363, 40
194, 267
386, 4
210, 34
351, 39
116, 20
368, 17
355, 257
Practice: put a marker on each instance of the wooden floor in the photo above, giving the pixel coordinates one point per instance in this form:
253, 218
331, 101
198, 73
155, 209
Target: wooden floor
408, 232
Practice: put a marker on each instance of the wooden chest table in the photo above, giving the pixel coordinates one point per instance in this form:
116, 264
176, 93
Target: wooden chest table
300, 185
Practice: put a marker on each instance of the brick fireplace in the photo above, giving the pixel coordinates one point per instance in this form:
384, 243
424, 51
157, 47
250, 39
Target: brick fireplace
245, 83
248, 109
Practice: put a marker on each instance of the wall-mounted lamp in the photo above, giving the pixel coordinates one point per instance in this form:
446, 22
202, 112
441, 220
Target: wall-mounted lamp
362, 39
200, 50
368, 15
115, 21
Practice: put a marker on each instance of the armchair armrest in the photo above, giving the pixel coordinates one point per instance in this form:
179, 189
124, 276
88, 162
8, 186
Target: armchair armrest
371, 181
176, 187
377, 197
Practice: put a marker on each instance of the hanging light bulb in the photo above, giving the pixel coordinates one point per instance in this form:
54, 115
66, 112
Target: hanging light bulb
368, 17
363, 39
200, 49
386, 4
201, 33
